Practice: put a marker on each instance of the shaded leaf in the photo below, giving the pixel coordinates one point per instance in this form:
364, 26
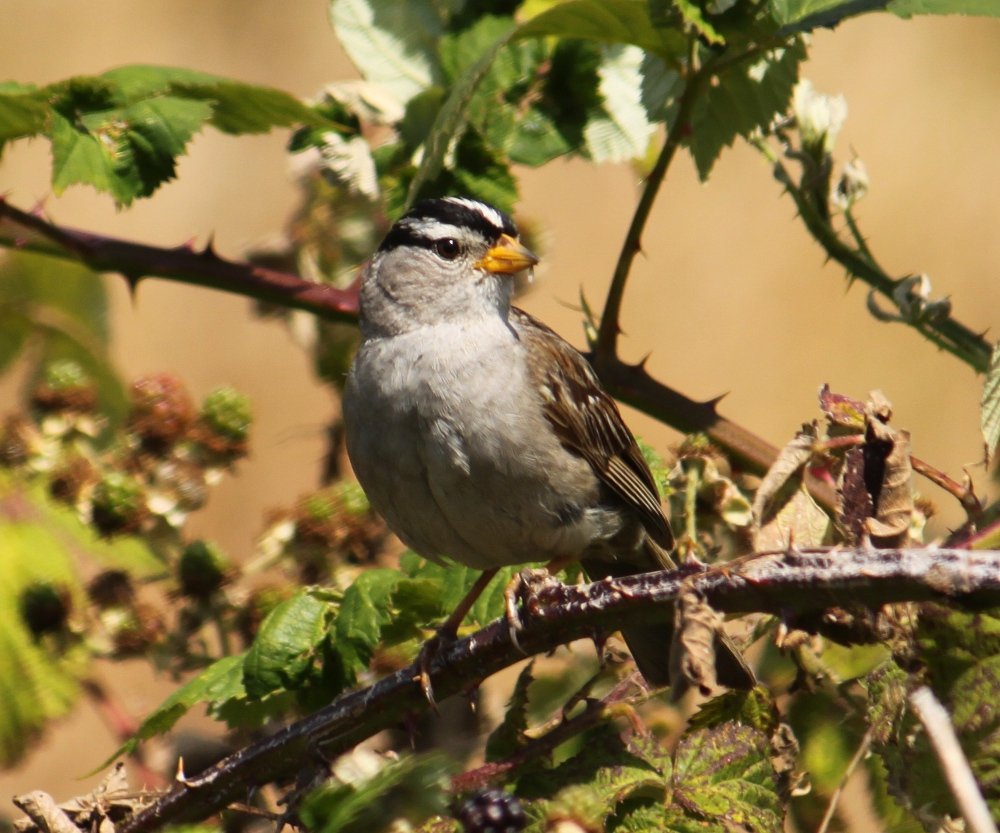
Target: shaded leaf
364, 611
803, 15
283, 654
24, 111
38, 677
725, 773
753, 708
591, 785
747, 96
908, 8
607, 21
989, 404
451, 117
391, 43
222, 680
508, 737
399, 795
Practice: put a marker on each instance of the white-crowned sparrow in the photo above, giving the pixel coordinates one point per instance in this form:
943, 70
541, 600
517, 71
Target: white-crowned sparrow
483, 437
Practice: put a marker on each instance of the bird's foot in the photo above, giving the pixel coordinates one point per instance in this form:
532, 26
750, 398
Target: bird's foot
519, 596
443, 637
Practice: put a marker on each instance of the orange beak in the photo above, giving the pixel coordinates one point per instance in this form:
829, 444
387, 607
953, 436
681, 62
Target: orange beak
507, 257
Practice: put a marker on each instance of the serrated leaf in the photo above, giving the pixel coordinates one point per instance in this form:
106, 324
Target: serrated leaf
391, 43
746, 97
803, 15
695, 18
622, 130
508, 737
72, 303
283, 655
222, 680
592, 784
725, 773
400, 795
78, 157
236, 107
451, 118
989, 404
753, 708
908, 8
39, 679
607, 21
24, 111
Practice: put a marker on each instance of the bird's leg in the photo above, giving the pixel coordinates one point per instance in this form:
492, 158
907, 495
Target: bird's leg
448, 630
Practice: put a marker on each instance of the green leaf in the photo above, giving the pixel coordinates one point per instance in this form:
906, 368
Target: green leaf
245, 108
222, 680
753, 708
989, 404
747, 96
725, 773
804, 15
450, 119
38, 677
908, 8
621, 130
78, 157
399, 796
508, 737
24, 111
695, 18
607, 21
284, 653
391, 43
597, 782
61, 308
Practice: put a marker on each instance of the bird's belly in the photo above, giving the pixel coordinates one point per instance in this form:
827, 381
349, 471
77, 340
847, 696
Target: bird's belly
454, 476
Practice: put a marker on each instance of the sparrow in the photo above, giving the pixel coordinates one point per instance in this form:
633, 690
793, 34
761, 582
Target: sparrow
481, 436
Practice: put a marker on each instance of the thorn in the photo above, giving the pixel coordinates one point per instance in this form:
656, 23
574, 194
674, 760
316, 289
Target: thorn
186, 246
715, 400
38, 209
209, 250
180, 777
132, 282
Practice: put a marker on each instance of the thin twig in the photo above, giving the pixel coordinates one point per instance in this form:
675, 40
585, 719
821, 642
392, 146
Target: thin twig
605, 346
954, 765
945, 331
859, 756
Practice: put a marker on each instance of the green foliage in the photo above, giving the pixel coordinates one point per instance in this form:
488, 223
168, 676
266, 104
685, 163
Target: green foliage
401, 793
750, 95
122, 131
42, 657
60, 310
989, 416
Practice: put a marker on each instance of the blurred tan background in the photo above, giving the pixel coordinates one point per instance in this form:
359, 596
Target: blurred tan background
731, 295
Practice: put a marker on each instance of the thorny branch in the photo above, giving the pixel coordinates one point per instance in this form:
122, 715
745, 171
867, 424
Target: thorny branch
802, 583
28, 231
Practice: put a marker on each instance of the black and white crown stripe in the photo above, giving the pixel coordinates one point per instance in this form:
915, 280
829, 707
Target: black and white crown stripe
431, 220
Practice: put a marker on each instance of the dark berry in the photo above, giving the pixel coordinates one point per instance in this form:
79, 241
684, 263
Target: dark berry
492, 811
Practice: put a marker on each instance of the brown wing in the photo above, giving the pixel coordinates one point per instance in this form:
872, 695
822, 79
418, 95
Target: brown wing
592, 426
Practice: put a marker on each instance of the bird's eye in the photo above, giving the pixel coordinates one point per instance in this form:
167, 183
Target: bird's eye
448, 248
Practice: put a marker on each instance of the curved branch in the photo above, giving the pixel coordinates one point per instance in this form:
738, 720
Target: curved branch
780, 583
27, 231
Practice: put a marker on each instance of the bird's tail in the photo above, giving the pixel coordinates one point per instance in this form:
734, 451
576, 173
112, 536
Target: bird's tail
650, 645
